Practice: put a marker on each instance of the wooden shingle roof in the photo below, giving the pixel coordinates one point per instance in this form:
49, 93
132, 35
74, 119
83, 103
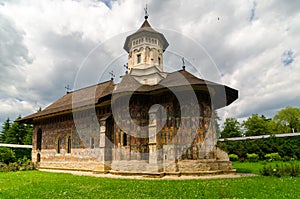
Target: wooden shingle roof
84, 97
76, 99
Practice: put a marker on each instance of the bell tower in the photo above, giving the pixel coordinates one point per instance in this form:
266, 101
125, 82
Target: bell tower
145, 50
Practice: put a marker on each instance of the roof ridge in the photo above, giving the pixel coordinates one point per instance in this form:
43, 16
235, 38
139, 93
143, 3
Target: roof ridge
90, 86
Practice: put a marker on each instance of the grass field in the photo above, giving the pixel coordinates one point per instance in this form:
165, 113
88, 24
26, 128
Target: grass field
37, 184
255, 167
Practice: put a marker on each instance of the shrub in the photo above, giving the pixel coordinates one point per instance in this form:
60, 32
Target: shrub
233, 157
290, 169
273, 156
12, 167
252, 157
6, 155
17, 166
285, 146
21, 153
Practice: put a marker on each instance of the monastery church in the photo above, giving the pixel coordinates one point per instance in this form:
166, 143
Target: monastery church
151, 123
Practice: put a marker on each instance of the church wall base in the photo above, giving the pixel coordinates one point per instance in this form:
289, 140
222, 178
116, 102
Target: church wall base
129, 165
144, 169
76, 166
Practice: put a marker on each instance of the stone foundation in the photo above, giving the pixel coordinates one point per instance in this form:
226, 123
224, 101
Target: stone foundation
129, 166
77, 166
181, 168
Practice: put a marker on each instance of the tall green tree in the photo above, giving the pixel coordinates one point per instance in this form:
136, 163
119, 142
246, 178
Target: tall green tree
232, 128
5, 128
217, 119
28, 138
288, 119
18, 133
258, 125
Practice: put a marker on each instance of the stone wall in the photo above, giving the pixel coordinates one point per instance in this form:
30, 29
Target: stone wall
137, 166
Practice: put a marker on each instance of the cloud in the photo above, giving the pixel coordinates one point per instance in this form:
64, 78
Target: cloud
245, 45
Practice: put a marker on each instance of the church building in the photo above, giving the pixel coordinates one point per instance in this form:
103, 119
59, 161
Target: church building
151, 123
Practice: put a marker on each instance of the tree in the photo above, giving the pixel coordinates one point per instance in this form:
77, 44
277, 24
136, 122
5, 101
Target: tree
7, 155
258, 125
4, 131
288, 119
216, 119
232, 128
28, 136
17, 133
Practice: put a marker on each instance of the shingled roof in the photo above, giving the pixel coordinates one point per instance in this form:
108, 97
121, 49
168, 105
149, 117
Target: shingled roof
79, 98
93, 94
181, 78
145, 29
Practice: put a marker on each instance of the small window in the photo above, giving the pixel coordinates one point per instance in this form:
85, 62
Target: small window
69, 144
139, 58
58, 145
38, 157
124, 139
159, 61
92, 143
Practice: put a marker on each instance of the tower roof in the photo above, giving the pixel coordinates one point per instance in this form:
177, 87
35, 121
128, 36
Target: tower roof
145, 30
146, 27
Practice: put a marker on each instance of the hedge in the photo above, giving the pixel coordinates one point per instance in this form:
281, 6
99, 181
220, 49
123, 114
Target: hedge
286, 147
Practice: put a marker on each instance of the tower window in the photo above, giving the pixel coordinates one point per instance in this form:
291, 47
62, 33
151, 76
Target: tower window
139, 58
159, 61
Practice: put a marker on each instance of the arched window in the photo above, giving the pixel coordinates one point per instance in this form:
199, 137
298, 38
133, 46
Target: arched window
92, 143
139, 58
39, 140
124, 139
38, 157
69, 141
58, 143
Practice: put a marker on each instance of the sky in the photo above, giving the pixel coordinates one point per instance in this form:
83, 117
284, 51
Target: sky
252, 46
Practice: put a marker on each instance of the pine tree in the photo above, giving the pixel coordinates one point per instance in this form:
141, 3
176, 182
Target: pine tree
232, 128
16, 134
5, 128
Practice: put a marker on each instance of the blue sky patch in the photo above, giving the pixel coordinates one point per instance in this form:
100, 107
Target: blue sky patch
252, 11
287, 57
107, 3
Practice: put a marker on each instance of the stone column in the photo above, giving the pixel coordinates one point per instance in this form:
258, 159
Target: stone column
102, 167
155, 164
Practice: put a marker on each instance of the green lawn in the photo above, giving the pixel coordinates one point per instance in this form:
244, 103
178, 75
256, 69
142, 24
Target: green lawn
37, 184
255, 167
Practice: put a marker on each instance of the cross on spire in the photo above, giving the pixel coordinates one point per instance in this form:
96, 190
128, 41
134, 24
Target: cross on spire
112, 75
146, 12
183, 63
68, 89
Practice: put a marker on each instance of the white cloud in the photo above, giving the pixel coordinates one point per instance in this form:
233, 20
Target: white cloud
43, 43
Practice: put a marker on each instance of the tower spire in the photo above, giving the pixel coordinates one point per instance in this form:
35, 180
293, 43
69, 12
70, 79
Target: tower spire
146, 12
